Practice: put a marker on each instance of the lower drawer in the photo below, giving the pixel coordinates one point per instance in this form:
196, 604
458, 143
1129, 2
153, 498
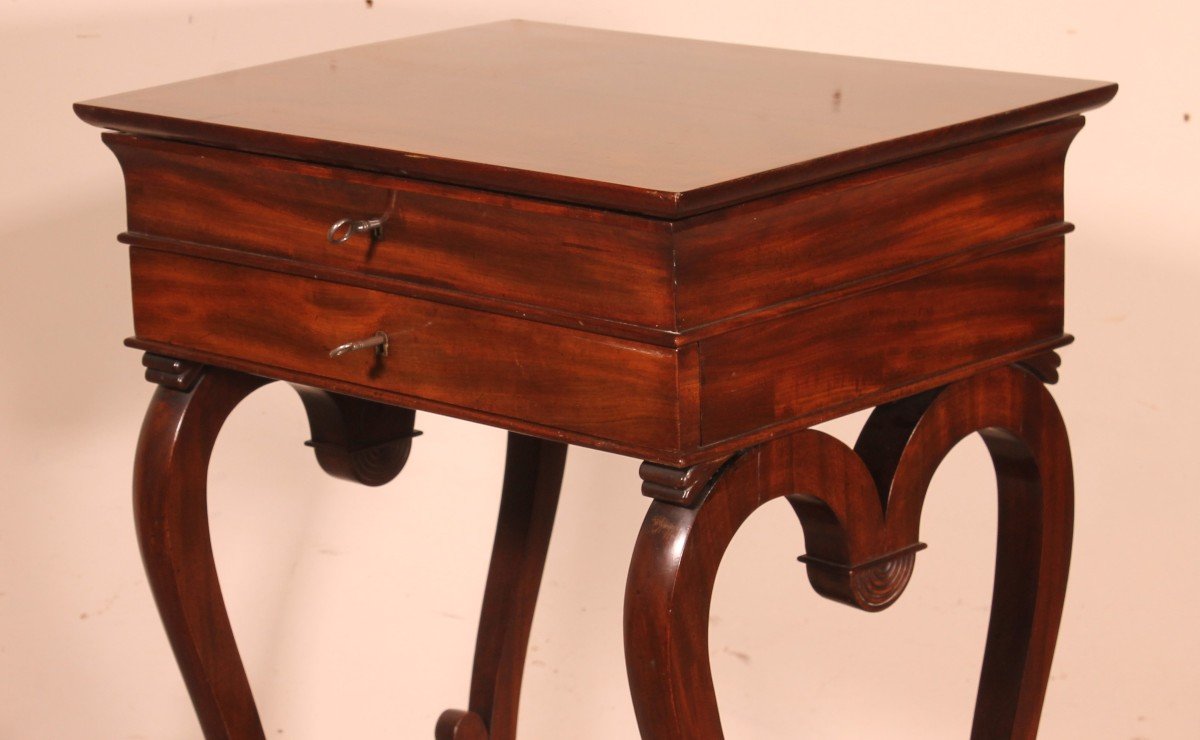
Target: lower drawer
484, 364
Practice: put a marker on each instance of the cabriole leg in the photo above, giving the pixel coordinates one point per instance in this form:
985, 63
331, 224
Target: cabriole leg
171, 516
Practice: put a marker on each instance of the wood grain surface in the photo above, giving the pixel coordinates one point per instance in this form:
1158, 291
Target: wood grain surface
861, 510
470, 360
435, 239
660, 126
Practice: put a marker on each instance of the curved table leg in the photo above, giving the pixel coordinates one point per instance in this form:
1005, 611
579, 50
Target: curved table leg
1027, 440
171, 515
1033, 557
860, 510
532, 478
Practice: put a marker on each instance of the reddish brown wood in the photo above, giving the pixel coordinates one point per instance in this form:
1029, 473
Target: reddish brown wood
1044, 365
845, 351
796, 248
561, 378
750, 384
460, 724
699, 336
358, 440
532, 479
436, 241
973, 261
170, 372
664, 127
706, 249
635, 278
860, 542
171, 515
677, 485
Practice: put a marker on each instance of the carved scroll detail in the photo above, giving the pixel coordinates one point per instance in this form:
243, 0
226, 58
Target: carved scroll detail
1044, 366
458, 724
357, 440
179, 375
677, 485
859, 508
871, 586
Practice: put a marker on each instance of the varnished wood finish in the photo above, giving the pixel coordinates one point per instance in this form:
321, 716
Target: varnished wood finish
849, 350
1044, 366
437, 241
567, 379
358, 440
683, 251
636, 278
678, 485
460, 724
699, 337
805, 246
170, 511
862, 538
660, 126
613, 274
171, 372
532, 478
745, 385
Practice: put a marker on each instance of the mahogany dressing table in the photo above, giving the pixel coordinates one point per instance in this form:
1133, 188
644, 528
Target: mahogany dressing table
682, 251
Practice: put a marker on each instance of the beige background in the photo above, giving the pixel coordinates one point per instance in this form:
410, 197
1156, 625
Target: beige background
356, 608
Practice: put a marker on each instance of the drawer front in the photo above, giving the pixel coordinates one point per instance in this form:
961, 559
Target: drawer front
564, 259
586, 385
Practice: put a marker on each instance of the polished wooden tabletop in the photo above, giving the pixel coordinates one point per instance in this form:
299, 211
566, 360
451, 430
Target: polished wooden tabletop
657, 126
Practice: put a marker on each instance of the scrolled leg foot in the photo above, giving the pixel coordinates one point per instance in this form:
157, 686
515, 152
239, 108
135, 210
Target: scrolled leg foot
456, 724
358, 440
871, 586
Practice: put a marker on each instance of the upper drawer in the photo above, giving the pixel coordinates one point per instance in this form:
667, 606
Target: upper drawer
566, 259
